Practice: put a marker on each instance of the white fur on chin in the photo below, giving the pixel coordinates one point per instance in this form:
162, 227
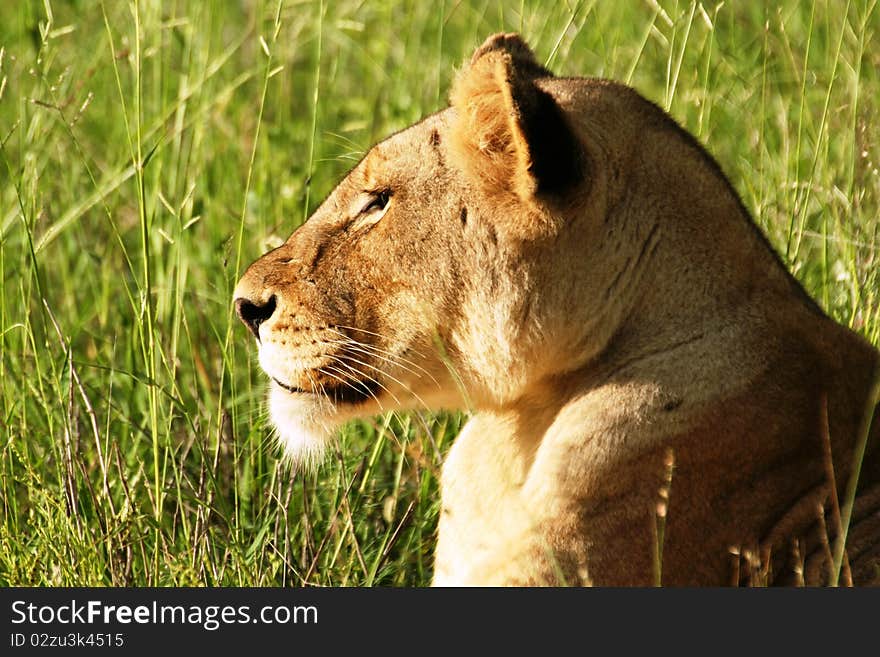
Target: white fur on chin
306, 425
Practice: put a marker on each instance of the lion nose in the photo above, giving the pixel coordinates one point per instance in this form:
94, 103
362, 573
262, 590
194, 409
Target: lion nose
254, 314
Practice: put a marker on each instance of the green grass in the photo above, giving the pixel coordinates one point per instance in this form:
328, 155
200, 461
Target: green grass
151, 151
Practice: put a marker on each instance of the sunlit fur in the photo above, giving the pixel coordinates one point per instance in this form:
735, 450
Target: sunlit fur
559, 257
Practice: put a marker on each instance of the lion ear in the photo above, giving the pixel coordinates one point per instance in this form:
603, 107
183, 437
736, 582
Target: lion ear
509, 133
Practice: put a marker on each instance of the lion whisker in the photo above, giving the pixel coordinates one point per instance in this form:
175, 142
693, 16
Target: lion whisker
344, 382
354, 378
367, 350
323, 397
378, 335
379, 350
405, 387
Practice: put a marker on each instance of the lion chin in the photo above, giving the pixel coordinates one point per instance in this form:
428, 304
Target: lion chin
305, 424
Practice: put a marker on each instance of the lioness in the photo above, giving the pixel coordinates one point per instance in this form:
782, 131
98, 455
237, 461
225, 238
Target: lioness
562, 258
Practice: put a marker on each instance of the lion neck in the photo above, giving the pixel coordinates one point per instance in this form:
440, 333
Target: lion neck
688, 280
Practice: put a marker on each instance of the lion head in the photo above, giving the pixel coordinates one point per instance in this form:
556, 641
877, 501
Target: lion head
431, 275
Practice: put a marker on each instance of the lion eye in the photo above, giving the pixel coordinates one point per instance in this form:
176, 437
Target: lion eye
373, 206
377, 202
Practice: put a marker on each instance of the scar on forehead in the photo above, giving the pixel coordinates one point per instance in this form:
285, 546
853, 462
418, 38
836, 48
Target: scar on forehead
434, 140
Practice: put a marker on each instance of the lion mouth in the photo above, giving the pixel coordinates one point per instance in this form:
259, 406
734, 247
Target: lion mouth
353, 393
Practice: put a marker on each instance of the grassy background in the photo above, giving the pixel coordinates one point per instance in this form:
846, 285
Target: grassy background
150, 151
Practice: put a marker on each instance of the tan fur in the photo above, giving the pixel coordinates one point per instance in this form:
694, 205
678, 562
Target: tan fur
560, 257
485, 104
